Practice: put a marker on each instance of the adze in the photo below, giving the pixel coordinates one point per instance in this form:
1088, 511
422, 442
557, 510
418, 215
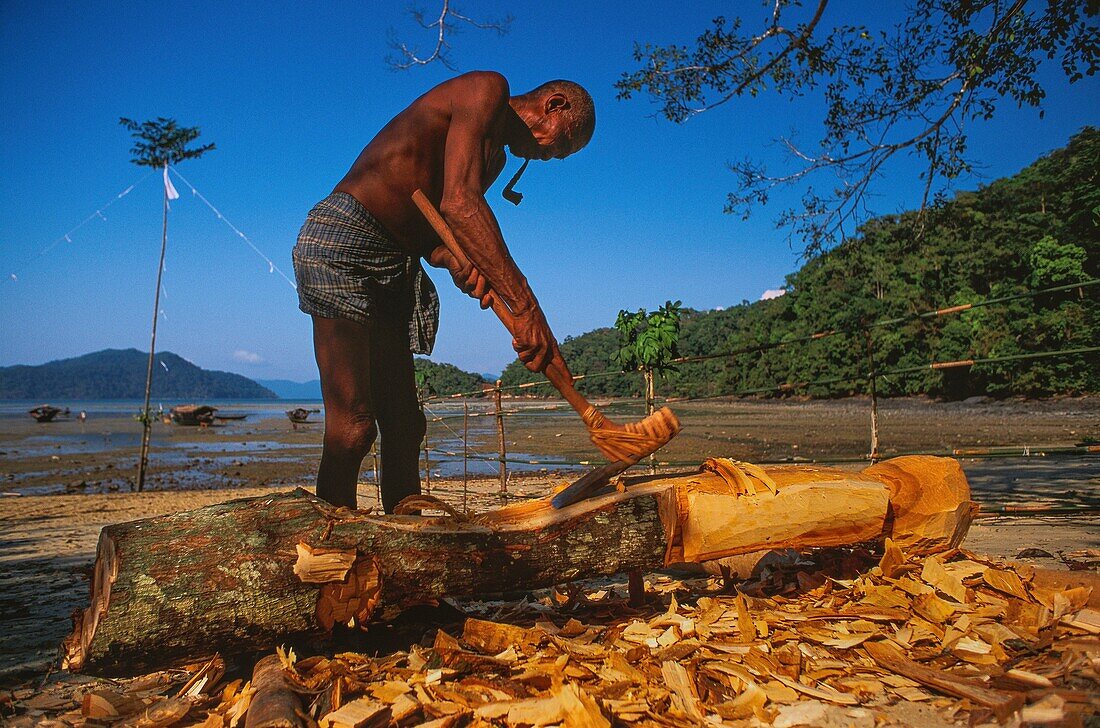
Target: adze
623, 445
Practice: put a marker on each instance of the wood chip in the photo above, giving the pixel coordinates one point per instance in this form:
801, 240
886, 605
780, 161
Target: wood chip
684, 694
1003, 704
1005, 581
579, 710
892, 559
321, 565
939, 578
492, 638
362, 713
164, 712
822, 693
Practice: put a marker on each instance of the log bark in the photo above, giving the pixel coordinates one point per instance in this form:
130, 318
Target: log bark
252, 573
275, 704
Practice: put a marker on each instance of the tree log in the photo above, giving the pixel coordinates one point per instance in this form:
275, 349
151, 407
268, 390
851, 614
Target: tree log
251, 573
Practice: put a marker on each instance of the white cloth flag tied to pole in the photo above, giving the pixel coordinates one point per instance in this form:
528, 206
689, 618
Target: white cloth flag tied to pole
169, 188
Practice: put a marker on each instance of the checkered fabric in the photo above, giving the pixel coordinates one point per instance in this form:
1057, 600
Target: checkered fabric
348, 267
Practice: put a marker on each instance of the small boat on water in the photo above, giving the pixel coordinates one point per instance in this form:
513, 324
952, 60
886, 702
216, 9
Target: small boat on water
46, 413
300, 415
194, 414
234, 416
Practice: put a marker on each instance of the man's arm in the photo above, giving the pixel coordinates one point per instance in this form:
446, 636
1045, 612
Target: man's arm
468, 279
475, 228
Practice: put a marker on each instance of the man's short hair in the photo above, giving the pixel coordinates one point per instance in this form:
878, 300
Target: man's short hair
581, 111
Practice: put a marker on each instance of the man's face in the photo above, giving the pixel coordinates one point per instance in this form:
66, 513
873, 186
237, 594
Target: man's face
558, 147
551, 137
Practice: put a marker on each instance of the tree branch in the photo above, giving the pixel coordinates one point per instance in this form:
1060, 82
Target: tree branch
443, 25
912, 89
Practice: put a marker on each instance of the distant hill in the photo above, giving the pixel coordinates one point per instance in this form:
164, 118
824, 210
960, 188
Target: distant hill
440, 379
287, 389
120, 374
1038, 228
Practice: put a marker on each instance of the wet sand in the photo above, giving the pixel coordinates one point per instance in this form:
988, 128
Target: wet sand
47, 541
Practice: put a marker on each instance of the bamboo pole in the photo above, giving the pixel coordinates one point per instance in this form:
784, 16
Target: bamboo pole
649, 406
377, 480
427, 462
146, 421
465, 453
501, 445
874, 398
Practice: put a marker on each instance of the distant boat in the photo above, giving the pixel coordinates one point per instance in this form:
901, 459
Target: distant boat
235, 416
194, 414
45, 413
300, 415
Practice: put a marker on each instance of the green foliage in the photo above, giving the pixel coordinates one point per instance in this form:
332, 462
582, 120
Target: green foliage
435, 380
591, 354
1054, 263
146, 417
998, 241
911, 89
161, 141
649, 340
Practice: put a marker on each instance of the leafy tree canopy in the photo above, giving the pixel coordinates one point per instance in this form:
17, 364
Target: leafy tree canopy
1038, 228
162, 141
435, 379
648, 341
1054, 263
913, 88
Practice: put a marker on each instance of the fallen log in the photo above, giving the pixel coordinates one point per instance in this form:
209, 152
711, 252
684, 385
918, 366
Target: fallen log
251, 573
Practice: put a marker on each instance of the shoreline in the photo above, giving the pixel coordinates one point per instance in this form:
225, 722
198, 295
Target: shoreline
542, 436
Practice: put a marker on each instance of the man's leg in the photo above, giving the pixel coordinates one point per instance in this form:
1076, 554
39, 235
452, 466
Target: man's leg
343, 350
400, 418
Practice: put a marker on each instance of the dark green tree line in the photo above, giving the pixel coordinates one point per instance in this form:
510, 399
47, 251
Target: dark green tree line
1038, 228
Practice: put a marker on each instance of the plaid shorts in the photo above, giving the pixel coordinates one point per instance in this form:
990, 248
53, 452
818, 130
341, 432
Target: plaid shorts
348, 267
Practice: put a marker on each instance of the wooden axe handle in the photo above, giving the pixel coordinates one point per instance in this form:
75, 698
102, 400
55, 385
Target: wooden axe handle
556, 371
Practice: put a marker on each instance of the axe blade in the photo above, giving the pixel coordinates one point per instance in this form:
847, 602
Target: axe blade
589, 483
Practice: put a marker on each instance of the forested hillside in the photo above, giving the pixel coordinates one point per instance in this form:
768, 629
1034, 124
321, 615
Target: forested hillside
441, 379
1036, 229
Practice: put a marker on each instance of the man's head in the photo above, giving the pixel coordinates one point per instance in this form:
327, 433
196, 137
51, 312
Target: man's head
560, 116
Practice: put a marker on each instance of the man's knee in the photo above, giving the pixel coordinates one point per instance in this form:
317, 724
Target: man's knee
419, 424
405, 423
352, 435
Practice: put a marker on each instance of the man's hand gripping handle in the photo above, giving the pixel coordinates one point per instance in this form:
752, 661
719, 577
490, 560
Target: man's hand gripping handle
556, 371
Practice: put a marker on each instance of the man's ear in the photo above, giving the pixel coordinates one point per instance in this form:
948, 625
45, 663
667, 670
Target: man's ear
556, 102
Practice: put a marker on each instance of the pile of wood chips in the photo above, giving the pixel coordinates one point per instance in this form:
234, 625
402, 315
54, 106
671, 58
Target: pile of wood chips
953, 639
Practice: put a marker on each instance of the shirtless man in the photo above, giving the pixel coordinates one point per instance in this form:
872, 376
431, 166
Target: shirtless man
357, 262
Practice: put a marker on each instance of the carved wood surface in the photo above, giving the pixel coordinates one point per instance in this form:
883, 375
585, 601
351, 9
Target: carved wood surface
252, 573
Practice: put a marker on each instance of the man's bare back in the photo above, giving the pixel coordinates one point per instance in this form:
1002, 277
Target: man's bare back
450, 144
367, 305
409, 153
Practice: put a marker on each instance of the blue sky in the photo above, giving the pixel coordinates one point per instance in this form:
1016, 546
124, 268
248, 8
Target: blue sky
290, 92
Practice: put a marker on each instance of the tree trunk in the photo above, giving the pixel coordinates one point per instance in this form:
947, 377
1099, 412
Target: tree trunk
251, 573
146, 420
